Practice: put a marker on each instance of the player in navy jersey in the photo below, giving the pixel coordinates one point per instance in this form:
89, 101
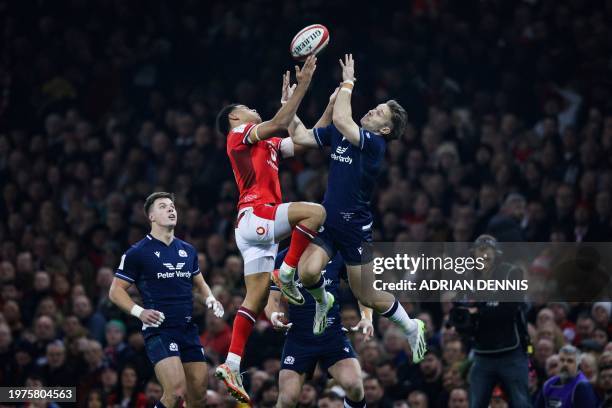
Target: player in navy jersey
357, 155
165, 271
303, 349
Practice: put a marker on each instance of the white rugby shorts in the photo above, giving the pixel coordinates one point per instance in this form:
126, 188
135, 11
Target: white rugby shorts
258, 233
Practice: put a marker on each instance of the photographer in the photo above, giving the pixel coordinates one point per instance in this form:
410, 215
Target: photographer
498, 333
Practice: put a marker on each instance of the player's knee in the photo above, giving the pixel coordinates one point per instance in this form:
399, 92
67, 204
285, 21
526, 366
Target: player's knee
308, 271
319, 214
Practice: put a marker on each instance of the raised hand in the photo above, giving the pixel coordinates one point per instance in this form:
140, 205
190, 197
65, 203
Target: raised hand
304, 75
348, 67
288, 89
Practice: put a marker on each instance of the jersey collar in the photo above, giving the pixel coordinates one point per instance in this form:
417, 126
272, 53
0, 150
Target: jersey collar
152, 238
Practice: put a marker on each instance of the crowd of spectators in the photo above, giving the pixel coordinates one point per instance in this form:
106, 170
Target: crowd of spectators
103, 102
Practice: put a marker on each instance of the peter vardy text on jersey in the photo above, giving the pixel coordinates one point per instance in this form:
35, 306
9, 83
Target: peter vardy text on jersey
168, 275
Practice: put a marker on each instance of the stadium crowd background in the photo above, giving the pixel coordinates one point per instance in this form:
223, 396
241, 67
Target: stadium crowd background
103, 102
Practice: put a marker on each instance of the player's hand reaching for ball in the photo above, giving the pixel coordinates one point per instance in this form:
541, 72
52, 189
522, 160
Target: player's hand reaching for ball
152, 317
348, 68
288, 89
278, 322
304, 75
215, 305
366, 327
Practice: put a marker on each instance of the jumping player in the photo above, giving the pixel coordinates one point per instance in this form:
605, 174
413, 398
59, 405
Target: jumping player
254, 148
165, 271
302, 349
356, 156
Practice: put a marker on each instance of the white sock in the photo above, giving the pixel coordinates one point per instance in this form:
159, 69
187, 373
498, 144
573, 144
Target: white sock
233, 361
401, 318
286, 273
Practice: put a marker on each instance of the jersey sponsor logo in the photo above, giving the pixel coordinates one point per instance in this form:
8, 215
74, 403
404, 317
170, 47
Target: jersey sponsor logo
289, 360
260, 230
239, 129
175, 271
156, 253
178, 266
341, 159
341, 150
170, 275
183, 253
173, 347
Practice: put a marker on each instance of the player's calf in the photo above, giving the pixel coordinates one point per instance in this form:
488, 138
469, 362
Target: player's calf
290, 385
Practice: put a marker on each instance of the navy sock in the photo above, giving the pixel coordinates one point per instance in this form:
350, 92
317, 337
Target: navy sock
354, 404
159, 404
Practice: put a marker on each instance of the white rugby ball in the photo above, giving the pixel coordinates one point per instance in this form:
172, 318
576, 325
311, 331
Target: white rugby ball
309, 41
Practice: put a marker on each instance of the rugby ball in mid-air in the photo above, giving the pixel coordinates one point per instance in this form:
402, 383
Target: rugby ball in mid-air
309, 41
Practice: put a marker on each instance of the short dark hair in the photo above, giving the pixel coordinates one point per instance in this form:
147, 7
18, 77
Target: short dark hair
399, 119
151, 199
222, 121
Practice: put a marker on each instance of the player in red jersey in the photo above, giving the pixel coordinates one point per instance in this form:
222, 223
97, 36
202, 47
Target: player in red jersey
254, 147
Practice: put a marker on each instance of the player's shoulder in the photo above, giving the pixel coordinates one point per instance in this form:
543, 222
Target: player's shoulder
368, 134
242, 129
237, 135
138, 247
186, 246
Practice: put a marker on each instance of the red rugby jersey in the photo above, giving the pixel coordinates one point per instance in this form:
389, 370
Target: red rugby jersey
255, 167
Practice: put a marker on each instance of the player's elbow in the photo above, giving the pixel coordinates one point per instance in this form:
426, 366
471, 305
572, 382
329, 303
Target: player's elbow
281, 123
113, 292
340, 118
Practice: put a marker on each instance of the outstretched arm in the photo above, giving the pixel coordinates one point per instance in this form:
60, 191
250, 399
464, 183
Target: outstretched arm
281, 121
302, 136
342, 114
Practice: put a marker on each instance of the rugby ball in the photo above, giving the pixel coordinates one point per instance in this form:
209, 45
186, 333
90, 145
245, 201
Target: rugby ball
309, 41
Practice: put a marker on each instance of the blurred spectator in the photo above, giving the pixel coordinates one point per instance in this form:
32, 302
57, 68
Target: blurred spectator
570, 388
458, 398
375, 393
506, 225
418, 399
90, 319
127, 392
55, 372
308, 396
